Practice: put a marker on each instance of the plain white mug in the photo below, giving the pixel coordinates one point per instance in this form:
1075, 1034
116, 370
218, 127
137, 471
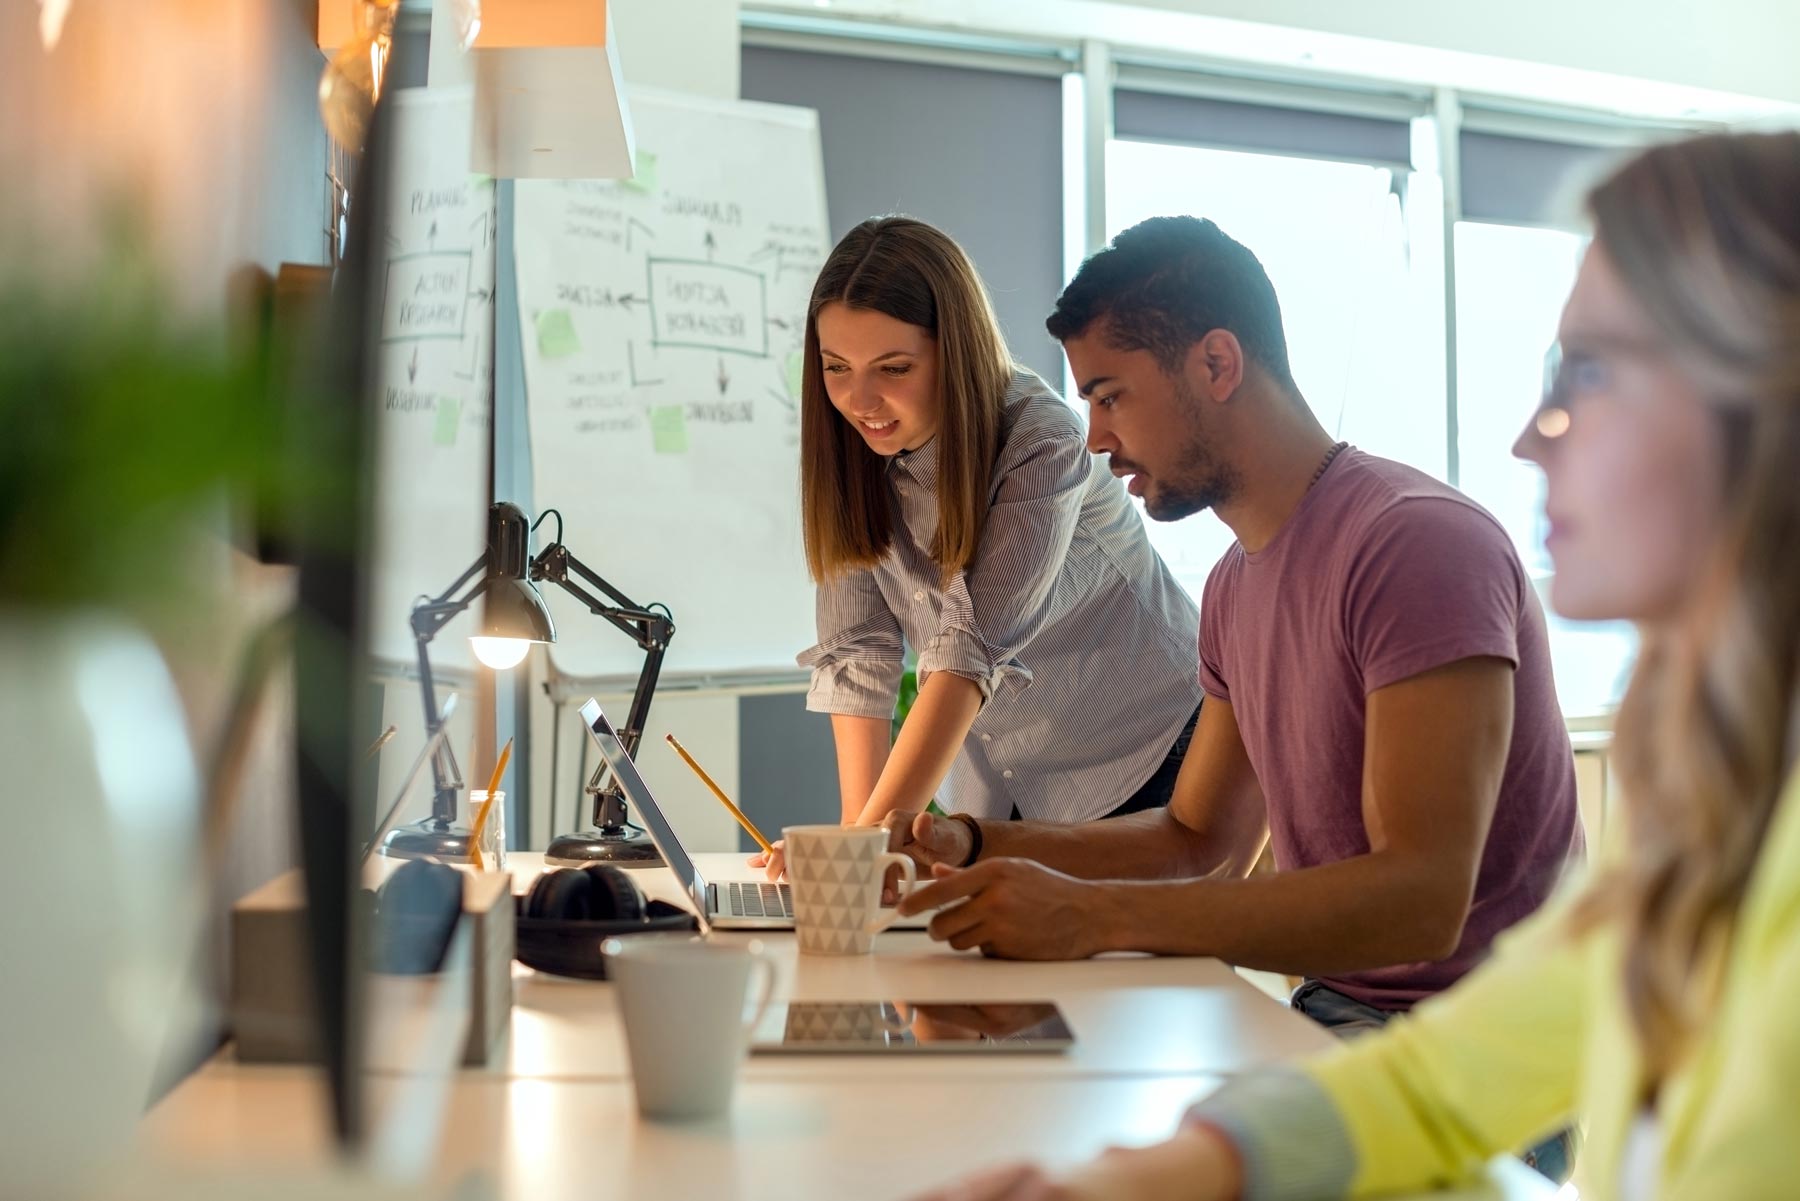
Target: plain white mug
835, 873
686, 1029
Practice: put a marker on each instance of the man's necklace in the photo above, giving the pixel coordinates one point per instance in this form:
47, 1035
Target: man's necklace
1326, 462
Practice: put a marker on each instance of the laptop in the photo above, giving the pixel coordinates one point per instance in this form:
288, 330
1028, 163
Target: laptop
727, 904
445, 711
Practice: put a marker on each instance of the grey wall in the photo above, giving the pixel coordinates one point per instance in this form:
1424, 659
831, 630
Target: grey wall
976, 153
787, 768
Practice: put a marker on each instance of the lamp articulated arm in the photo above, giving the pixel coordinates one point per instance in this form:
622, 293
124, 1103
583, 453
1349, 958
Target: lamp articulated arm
428, 617
649, 629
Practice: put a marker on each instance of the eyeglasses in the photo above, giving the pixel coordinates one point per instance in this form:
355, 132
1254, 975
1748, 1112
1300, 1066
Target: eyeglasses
1552, 419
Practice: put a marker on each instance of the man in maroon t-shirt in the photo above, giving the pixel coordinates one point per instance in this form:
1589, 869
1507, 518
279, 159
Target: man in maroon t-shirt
1379, 698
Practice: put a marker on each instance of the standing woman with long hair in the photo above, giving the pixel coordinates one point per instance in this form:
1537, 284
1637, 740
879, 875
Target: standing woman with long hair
1657, 1004
950, 504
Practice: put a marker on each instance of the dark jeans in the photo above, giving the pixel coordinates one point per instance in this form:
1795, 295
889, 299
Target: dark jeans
1348, 1018
1159, 789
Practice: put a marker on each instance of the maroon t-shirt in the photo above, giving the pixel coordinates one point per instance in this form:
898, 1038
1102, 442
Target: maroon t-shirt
1383, 573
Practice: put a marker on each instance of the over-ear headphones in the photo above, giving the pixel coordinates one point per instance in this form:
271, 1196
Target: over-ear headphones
570, 911
595, 893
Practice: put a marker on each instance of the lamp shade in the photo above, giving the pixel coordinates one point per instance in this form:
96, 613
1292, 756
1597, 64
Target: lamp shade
549, 95
513, 613
513, 618
515, 609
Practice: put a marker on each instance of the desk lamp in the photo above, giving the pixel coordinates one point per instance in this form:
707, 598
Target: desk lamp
513, 617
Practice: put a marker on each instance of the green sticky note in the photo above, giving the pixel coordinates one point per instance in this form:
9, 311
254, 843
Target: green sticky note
668, 430
795, 362
476, 179
449, 408
643, 178
556, 334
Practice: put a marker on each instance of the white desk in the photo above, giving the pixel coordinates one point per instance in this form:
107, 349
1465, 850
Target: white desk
554, 1117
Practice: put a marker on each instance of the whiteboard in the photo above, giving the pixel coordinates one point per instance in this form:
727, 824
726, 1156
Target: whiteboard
433, 378
663, 320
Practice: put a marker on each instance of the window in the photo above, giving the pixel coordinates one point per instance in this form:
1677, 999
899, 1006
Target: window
1511, 282
1358, 307
1322, 200
1516, 255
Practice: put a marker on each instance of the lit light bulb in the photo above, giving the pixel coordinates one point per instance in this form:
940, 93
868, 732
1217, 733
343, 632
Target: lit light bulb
500, 653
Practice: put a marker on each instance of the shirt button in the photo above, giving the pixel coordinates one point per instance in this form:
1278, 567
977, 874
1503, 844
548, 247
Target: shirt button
987, 738
1007, 774
918, 596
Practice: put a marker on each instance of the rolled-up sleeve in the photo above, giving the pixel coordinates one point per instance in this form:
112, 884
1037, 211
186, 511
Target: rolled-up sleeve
857, 662
1471, 1073
992, 608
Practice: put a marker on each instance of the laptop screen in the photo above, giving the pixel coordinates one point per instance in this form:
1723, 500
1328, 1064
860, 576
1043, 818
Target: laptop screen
612, 749
412, 774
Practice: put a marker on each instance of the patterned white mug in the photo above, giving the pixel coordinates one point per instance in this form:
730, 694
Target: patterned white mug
834, 1023
835, 873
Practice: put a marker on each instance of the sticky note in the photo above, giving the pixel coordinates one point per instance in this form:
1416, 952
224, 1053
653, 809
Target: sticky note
795, 360
644, 179
449, 408
668, 430
556, 334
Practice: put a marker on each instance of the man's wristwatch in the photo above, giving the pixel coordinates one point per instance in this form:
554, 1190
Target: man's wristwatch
974, 837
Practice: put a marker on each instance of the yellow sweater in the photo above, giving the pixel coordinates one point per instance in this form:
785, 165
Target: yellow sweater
1538, 1035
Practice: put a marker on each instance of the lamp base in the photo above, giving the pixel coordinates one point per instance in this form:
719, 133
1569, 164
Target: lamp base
621, 846
431, 838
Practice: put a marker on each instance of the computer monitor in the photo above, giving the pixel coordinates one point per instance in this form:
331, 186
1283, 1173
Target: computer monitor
332, 428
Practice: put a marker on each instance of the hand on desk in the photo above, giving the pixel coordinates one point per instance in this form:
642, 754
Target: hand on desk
1195, 1165
928, 839
774, 860
1011, 909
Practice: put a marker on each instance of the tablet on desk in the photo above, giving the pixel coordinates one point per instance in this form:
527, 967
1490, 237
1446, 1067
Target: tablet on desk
903, 1027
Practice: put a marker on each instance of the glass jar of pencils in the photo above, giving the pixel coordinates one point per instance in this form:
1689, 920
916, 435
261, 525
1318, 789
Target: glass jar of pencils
487, 821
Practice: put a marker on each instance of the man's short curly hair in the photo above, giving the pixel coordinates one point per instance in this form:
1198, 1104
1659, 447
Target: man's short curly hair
1166, 283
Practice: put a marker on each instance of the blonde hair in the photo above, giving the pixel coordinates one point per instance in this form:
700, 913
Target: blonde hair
1706, 237
916, 274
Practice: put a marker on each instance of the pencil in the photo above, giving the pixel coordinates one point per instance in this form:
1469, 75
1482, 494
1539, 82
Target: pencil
723, 799
387, 736
481, 815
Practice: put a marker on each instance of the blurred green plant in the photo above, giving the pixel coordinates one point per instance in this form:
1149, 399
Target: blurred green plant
909, 690
125, 431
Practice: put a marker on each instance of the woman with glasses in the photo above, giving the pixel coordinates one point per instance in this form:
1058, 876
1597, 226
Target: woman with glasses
1655, 1003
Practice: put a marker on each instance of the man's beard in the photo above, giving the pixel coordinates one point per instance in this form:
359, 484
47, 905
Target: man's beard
1200, 479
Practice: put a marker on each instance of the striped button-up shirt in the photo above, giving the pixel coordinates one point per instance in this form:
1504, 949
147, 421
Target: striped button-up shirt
1082, 643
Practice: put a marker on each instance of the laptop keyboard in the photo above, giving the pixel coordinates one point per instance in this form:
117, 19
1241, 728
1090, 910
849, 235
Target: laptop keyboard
758, 900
